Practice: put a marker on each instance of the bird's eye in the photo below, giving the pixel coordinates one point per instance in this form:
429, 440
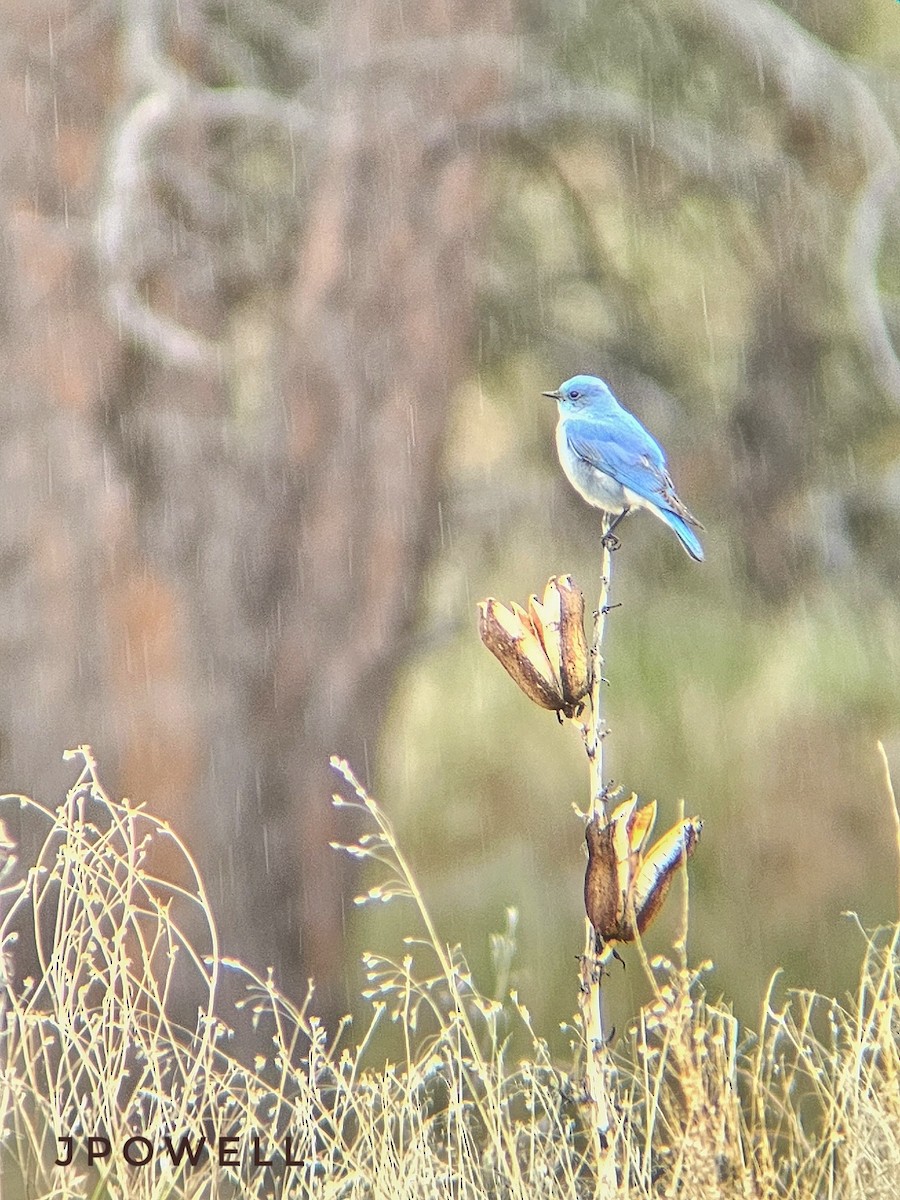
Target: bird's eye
574, 394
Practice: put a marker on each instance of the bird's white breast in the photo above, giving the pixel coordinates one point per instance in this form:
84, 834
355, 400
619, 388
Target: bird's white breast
595, 486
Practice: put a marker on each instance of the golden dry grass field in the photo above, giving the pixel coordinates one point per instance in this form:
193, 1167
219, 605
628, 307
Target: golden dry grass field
808, 1105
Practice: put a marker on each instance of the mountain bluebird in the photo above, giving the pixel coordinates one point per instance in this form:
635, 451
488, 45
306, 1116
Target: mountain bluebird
611, 459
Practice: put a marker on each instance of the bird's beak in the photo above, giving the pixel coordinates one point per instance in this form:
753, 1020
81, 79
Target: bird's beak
552, 395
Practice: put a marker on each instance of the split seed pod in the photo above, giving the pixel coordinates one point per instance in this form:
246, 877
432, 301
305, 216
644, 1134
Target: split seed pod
574, 657
624, 884
510, 636
544, 649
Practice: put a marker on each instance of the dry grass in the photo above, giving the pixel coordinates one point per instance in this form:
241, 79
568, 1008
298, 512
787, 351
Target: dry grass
809, 1108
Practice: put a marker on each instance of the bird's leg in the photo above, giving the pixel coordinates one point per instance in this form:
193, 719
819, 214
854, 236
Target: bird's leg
609, 539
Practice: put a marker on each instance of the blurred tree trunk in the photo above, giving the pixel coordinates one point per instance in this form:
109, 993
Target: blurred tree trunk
379, 335
211, 570
69, 565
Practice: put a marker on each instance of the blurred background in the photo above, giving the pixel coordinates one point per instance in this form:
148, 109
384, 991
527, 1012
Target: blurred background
280, 287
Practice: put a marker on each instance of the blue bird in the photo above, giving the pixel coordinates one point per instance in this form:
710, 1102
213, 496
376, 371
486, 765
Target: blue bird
611, 459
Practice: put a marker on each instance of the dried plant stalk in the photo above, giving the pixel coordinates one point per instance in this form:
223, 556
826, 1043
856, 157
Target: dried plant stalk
589, 997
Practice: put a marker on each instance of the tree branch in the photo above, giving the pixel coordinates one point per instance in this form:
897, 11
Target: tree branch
694, 146
164, 98
816, 81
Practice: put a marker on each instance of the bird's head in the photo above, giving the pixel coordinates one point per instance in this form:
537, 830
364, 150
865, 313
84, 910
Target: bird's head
583, 392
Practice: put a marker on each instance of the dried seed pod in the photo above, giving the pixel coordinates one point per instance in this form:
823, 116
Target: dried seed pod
544, 649
624, 886
640, 826
654, 878
558, 620
510, 636
545, 617
574, 656
602, 892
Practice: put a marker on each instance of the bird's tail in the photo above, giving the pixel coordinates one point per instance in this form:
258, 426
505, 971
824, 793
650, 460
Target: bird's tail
686, 535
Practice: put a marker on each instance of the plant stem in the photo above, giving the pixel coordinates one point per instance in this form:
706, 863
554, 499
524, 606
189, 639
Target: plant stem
589, 998
895, 812
595, 734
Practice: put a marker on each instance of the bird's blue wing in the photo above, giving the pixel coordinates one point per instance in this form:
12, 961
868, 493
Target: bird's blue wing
621, 447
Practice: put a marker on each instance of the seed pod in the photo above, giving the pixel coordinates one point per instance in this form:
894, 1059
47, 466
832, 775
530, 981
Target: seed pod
612, 861
558, 620
624, 887
602, 894
640, 826
545, 617
510, 636
657, 871
574, 656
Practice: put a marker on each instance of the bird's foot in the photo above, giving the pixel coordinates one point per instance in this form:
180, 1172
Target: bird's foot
610, 542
